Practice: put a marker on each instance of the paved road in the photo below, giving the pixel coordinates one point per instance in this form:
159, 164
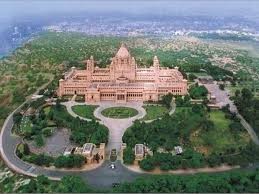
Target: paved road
100, 177
222, 99
117, 127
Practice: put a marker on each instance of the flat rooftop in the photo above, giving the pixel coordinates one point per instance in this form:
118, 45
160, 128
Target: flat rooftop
139, 149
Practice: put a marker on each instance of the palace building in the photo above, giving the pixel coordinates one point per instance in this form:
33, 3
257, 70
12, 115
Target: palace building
122, 80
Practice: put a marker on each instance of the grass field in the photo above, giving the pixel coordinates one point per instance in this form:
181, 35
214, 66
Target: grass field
46, 109
220, 138
154, 112
86, 111
119, 112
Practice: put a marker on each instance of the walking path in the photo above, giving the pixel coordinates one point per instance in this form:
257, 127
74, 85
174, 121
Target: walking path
100, 177
70, 104
117, 127
221, 168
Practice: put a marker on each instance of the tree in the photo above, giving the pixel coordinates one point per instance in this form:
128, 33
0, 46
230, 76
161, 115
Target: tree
192, 77
246, 94
17, 117
31, 187
237, 93
60, 161
214, 160
128, 156
207, 125
147, 164
221, 86
39, 140
198, 92
72, 184
47, 132
18, 96
4, 112
69, 161
167, 99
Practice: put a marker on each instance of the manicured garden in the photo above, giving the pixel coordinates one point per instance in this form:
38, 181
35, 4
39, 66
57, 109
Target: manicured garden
155, 111
36, 127
221, 137
208, 137
119, 112
82, 131
85, 111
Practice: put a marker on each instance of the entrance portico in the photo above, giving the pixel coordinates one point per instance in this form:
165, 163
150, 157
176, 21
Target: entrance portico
121, 96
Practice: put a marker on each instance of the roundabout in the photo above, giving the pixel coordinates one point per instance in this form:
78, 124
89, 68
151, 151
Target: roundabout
103, 176
119, 112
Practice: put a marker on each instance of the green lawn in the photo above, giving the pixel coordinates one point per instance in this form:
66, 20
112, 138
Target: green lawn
86, 111
46, 109
119, 112
181, 109
218, 117
220, 138
154, 112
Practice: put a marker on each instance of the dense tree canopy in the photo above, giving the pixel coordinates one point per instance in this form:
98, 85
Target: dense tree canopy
248, 106
238, 182
198, 92
82, 131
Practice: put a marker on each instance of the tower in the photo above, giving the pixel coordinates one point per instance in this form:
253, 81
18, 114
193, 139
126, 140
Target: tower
156, 68
90, 64
156, 62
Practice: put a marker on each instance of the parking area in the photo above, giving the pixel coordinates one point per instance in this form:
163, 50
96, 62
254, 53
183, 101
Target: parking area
54, 145
222, 96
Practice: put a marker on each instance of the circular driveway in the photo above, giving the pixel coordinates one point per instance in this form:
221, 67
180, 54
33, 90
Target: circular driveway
100, 177
117, 127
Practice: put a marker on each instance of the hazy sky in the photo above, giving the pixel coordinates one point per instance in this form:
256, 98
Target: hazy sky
13, 9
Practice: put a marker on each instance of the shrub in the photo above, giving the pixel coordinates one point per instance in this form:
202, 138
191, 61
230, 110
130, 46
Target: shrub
69, 161
39, 140
22, 149
128, 156
47, 132
147, 163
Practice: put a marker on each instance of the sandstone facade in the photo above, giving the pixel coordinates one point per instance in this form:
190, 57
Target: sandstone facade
123, 80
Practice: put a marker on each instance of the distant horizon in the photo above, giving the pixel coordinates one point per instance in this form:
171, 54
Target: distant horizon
12, 9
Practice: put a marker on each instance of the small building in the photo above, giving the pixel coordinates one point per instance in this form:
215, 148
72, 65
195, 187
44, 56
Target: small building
139, 151
213, 99
90, 151
78, 150
178, 150
35, 96
69, 150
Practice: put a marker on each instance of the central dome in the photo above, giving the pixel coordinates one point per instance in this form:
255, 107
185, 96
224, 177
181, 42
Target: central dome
123, 52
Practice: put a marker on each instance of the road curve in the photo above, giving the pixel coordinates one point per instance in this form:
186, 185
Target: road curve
102, 177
